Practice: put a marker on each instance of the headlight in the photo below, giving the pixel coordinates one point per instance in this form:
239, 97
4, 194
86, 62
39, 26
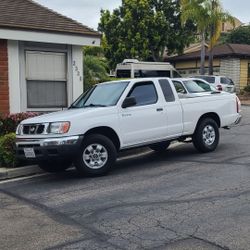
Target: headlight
19, 129
59, 127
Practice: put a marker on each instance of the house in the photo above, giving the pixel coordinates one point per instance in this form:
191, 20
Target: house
41, 60
232, 60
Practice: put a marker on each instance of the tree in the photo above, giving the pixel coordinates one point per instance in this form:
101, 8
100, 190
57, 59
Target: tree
240, 35
208, 16
217, 17
144, 29
95, 66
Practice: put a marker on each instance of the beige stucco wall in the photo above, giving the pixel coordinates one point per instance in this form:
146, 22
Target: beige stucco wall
243, 72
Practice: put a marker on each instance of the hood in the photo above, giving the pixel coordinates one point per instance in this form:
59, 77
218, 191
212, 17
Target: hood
67, 115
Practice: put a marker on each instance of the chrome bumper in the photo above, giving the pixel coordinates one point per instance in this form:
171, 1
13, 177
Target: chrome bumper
72, 140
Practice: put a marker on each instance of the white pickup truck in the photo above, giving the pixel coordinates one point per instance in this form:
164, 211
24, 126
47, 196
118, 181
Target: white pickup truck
119, 115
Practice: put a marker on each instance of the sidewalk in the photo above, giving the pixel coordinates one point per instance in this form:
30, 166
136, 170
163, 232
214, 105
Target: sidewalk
10, 173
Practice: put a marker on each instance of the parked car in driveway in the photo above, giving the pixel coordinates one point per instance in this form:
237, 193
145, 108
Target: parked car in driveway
119, 115
191, 87
221, 83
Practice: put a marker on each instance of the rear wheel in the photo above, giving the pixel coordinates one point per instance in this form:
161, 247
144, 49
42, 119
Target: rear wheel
160, 147
206, 136
97, 155
54, 166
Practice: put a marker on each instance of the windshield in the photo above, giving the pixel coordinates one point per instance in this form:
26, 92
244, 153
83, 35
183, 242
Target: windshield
193, 87
101, 95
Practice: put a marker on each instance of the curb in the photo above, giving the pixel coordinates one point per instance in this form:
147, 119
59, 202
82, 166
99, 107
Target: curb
11, 173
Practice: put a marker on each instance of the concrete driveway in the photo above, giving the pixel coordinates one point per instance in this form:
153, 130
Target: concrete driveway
179, 200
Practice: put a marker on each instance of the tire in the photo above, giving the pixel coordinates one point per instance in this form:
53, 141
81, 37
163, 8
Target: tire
97, 156
206, 136
54, 166
160, 147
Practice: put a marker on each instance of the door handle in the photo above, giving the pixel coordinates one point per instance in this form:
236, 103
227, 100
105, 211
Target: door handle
159, 109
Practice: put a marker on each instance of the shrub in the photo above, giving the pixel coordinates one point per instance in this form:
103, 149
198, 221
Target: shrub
247, 89
9, 123
7, 150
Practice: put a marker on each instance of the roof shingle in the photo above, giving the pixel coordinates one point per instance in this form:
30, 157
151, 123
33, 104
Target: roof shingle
238, 50
29, 15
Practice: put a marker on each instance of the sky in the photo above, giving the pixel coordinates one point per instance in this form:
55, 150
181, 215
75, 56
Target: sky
87, 12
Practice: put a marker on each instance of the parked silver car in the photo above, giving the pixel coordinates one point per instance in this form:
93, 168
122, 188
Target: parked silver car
221, 83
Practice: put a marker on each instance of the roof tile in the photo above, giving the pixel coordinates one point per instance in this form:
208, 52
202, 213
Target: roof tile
27, 14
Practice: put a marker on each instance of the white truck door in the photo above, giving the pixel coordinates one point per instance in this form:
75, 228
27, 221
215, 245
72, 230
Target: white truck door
173, 112
146, 120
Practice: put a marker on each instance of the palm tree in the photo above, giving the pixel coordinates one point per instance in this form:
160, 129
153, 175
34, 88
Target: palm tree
198, 12
217, 17
208, 16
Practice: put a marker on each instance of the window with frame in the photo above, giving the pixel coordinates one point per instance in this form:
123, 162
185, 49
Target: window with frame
179, 87
46, 79
167, 90
144, 93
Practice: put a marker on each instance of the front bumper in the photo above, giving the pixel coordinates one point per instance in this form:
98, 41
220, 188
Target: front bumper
48, 149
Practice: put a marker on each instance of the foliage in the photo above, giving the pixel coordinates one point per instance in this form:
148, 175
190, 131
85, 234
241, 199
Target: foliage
95, 66
9, 123
240, 35
208, 16
247, 89
7, 150
143, 29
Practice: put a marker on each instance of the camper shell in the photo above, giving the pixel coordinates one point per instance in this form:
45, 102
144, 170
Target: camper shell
132, 68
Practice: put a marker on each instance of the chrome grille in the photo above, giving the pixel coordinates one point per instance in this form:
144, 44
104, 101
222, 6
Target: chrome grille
33, 129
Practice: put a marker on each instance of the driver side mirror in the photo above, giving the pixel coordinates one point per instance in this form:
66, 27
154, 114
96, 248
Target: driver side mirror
129, 102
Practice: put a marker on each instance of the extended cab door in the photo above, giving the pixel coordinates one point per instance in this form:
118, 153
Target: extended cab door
145, 121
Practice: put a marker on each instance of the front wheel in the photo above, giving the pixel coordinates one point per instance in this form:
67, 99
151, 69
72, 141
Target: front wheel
206, 136
97, 155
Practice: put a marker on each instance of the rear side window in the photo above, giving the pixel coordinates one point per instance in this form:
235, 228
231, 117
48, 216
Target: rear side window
152, 73
144, 93
123, 73
167, 90
225, 80
209, 79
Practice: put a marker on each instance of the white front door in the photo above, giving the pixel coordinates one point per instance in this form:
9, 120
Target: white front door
146, 121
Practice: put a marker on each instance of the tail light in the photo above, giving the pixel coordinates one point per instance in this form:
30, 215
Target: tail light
238, 104
219, 87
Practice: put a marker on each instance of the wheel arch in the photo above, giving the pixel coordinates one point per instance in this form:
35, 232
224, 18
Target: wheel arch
108, 132
211, 115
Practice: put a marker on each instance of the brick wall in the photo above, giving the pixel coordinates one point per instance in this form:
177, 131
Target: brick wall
4, 87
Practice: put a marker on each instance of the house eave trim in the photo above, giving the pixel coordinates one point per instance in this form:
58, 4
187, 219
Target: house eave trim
45, 37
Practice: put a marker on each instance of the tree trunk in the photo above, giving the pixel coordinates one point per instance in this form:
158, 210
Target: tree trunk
203, 51
211, 58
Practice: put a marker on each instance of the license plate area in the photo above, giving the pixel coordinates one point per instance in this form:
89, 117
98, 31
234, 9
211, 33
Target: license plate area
29, 153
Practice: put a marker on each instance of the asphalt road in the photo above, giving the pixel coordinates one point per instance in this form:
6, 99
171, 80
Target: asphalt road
179, 200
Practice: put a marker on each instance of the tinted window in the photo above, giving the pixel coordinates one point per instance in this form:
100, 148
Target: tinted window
176, 74
123, 73
153, 73
144, 93
225, 80
167, 90
209, 79
203, 85
193, 87
179, 87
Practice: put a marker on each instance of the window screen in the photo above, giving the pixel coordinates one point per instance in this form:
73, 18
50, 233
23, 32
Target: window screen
144, 93
167, 90
46, 77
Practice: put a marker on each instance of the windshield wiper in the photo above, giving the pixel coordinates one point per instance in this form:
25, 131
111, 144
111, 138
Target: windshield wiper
94, 105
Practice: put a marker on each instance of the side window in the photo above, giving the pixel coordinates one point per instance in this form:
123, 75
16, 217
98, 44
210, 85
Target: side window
144, 93
176, 74
179, 87
167, 90
123, 73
